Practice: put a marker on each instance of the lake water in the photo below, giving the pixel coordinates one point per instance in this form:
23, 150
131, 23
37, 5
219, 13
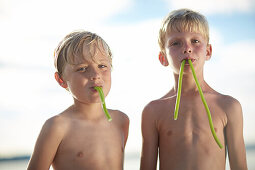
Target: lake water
132, 162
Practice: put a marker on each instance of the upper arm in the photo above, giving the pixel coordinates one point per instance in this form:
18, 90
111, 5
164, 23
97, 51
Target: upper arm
234, 135
122, 123
46, 146
150, 140
125, 128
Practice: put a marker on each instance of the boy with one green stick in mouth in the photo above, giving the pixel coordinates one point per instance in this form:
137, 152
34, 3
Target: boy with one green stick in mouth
81, 137
183, 139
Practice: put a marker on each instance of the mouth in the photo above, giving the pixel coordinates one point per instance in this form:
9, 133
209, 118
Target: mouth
187, 60
93, 88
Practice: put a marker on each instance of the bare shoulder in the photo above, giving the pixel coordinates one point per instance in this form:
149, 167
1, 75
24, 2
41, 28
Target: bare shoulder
121, 120
230, 105
157, 105
118, 113
120, 116
56, 124
228, 102
56, 121
156, 109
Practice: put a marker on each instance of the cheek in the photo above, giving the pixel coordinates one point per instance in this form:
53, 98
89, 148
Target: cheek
77, 82
201, 49
108, 79
173, 52
173, 56
107, 74
107, 82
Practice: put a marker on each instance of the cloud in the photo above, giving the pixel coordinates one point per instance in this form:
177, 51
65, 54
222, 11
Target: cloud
59, 15
31, 29
214, 6
96, 9
235, 58
239, 57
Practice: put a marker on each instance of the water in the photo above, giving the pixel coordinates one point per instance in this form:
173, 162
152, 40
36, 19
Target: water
132, 162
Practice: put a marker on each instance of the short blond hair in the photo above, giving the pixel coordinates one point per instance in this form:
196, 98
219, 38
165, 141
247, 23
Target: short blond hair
72, 46
183, 20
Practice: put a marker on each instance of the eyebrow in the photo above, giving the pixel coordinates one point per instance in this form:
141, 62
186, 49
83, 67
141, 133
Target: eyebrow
75, 66
104, 59
86, 63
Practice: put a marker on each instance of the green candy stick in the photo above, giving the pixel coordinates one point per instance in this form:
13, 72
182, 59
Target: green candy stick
179, 89
205, 105
101, 94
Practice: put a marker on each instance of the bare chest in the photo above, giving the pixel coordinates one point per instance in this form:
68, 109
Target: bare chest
189, 139
192, 124
86, 144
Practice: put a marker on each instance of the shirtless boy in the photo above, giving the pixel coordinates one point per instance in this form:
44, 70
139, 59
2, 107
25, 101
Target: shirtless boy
187, 143
81, 138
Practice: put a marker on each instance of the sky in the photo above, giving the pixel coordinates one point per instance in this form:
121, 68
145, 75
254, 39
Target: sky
31, 29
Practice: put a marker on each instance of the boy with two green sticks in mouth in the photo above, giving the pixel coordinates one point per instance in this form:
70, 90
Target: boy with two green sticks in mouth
81, 137
186, 141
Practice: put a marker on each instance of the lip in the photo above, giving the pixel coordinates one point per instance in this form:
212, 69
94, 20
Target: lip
189, 58
93, 87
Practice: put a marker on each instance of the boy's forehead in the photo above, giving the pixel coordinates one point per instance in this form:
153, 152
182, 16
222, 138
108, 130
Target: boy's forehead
91, 55
87, 59
183, 26
184, 33
89, 52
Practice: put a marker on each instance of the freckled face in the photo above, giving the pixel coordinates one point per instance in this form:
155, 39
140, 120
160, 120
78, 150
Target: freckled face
85, 74
186, 45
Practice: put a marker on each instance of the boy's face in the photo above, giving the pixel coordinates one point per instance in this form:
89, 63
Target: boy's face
85, 74
186, 45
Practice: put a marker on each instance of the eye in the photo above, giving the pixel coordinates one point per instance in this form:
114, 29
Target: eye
195, 41
102, 66
175, 43
82, 69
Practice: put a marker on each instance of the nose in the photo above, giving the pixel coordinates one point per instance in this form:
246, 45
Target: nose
186, 48
95, 74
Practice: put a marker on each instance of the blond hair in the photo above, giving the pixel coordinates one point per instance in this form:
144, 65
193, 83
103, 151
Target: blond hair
72, 46
183, 20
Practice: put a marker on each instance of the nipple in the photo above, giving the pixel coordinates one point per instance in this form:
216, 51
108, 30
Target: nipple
80, 154
169, 133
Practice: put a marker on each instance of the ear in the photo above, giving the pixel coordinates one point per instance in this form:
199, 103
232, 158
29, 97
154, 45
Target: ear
61, 82
208, 52
162, 58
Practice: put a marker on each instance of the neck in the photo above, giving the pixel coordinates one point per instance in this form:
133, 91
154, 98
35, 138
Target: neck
87, 111
188, 83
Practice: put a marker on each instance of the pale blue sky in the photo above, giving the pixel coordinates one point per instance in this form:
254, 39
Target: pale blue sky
30, 30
